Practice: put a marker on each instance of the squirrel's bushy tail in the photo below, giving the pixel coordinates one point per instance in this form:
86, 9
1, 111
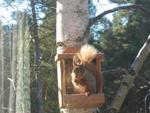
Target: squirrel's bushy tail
88, 53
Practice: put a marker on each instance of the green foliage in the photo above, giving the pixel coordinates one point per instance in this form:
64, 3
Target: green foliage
47, 36
47, 33
120, 42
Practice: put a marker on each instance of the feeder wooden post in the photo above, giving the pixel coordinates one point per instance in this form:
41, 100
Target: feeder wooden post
71, 23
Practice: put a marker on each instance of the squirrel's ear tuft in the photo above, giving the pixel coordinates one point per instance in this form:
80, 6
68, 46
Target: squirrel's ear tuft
77, 61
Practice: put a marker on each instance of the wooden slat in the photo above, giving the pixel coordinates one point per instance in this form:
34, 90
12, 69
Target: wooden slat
83, 101
70, 55
65, 55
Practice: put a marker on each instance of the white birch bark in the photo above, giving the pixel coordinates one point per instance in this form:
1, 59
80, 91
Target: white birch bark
72, 21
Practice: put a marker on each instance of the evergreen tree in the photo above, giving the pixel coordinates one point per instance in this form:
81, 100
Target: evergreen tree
120, 41
47, 33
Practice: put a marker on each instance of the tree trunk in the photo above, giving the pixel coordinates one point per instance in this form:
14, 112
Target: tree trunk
12, 79
130, 77
1, 70
23, 68
39, 80
72, 21
7, 68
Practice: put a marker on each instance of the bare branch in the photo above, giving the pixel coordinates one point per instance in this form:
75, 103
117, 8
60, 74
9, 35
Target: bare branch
128, 7
93, 20
129, 78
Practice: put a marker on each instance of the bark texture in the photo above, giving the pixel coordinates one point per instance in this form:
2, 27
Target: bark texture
72, 21
39, 79
23, 67
128, 80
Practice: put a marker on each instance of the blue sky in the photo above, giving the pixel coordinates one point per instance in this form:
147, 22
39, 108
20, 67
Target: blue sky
103, 5
5, 12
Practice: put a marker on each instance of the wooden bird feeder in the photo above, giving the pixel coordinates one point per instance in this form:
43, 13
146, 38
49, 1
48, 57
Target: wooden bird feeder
67, 99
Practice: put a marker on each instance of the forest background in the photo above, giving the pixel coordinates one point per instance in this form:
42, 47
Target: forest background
119, 39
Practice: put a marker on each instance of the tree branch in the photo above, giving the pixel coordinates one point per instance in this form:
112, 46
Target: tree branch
130, 77
128, 7
113, 74
93, 20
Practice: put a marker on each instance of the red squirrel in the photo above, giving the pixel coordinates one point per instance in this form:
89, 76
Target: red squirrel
85, 55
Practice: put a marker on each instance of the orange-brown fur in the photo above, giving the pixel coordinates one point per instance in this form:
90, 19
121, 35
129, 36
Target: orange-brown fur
79, 80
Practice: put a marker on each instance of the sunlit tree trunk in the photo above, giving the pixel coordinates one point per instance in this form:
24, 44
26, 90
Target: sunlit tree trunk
12, 79
7, 66
1, 70
72, 21
130, 77
23, 67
